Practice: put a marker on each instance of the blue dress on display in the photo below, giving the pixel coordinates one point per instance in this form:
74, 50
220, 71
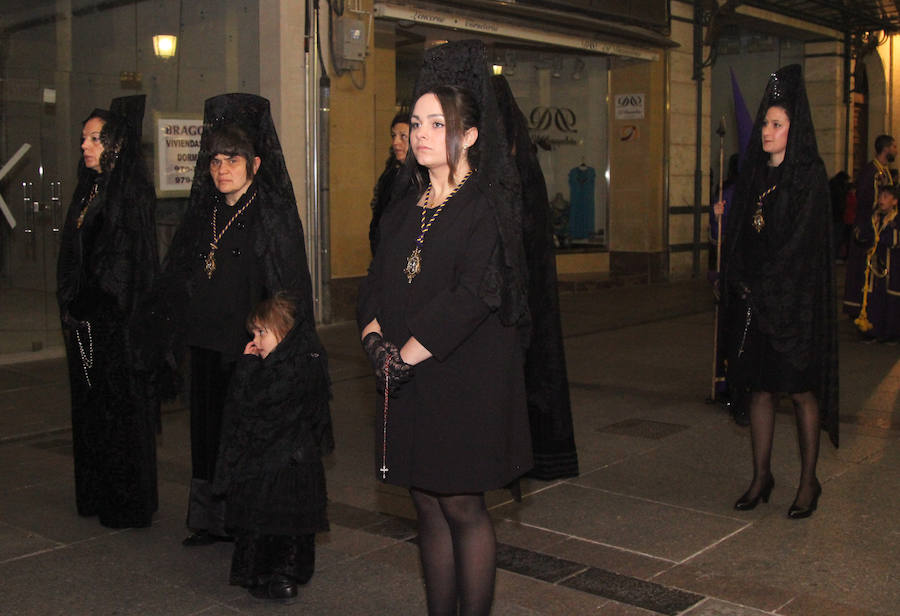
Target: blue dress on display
581, 196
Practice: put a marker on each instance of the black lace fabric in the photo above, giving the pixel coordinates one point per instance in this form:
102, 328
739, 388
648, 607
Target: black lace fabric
546, 379
279, 245
792, 291
275, 429
107, 264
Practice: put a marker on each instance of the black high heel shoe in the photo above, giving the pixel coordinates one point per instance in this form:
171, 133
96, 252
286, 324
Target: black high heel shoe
745, 503
798, 513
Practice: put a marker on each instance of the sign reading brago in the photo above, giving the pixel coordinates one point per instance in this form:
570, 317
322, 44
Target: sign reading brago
177, 143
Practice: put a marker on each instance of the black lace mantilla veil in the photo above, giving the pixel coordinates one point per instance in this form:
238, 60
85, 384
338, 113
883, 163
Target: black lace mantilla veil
795, 299
464, 63
126, 198
279, 246
546, 380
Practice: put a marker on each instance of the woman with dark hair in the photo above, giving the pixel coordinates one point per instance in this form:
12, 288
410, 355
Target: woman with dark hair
240, 242
384, 187
107, 263
778, 272
437, 316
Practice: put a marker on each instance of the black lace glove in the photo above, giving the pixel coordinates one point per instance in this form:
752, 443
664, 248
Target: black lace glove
380, 352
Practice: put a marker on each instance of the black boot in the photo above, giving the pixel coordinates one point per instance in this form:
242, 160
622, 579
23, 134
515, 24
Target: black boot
279, 588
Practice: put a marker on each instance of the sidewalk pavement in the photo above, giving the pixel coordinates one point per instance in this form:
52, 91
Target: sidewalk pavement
647, 528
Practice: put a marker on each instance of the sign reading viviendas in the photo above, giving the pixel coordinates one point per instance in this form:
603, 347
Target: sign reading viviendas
177, 143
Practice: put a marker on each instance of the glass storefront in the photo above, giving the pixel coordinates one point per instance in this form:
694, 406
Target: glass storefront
59, 59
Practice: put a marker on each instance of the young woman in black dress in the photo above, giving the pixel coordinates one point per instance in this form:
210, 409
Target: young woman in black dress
458, 426
778, 272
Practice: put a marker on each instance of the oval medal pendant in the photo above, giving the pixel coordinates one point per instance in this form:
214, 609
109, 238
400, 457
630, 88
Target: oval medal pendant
413, 264
210, 263
758, 221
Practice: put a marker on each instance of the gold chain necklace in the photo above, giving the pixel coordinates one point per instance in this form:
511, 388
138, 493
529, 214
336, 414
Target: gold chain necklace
90, 198
210, 261
759, 221
414, 260
879, 223
882, 172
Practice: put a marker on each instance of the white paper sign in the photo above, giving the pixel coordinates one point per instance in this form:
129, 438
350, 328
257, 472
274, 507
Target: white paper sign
630, 106
177, 144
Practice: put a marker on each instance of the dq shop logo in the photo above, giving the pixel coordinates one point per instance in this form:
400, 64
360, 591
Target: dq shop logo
562, 118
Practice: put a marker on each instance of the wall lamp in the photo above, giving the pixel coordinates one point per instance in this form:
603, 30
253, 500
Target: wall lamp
164, 45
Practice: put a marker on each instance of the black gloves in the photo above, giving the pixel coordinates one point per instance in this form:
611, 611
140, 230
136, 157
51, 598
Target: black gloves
380, 351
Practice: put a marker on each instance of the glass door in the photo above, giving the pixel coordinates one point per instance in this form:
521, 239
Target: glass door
59, 59
32, 190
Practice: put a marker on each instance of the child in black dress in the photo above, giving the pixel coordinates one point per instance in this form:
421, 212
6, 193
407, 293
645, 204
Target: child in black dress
276, 428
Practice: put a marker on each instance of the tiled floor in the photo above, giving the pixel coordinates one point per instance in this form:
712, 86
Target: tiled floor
647, 528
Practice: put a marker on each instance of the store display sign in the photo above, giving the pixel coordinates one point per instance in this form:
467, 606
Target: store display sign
177, 143
629, 106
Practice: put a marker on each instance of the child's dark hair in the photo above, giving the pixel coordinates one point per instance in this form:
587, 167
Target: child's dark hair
275, 314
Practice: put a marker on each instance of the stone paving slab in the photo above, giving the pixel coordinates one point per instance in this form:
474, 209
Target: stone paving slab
650, 516
645, 526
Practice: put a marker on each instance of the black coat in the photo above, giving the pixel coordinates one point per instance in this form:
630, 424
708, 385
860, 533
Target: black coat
275, 429
791, 283
461, 423
105, 269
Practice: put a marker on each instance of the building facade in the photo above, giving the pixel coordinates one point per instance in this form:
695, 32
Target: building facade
624, 100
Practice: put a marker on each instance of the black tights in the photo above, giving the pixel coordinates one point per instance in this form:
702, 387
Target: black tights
762, 428
458, 551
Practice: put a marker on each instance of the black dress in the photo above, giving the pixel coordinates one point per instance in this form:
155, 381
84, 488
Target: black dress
460, 425
766, 362
790, 343
216, 335
105, 267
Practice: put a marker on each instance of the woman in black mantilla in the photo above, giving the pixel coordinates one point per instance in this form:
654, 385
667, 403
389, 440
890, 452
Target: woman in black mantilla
240, 242
445, 294
780, 283
107, 262
385, 185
